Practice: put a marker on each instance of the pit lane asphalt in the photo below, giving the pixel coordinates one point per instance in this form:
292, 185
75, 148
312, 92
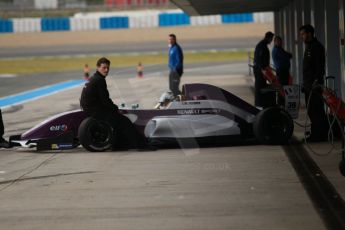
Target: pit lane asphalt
17, 84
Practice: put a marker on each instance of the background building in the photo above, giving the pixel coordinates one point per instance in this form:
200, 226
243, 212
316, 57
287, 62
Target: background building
327, 17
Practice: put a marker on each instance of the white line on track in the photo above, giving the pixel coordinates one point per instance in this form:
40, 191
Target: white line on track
8, 75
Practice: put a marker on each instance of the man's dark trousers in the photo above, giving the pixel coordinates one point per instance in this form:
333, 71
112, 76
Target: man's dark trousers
2, 129
316, 113
283, 76
174, 82
260, 83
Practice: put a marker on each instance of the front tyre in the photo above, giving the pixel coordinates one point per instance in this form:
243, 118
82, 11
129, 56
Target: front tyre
95, 135
273, 126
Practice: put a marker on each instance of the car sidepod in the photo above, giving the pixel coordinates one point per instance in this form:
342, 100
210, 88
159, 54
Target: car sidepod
202, 119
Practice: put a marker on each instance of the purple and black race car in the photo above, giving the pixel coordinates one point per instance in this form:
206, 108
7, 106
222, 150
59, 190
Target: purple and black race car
205, 114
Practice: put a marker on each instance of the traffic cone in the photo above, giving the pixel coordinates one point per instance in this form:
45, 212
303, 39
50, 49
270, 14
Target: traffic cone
140, 70
86, 72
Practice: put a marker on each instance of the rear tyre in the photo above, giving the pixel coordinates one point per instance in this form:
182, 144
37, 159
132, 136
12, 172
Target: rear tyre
273, 126
95, 135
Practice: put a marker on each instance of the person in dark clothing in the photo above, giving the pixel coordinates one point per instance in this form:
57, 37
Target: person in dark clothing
3, 142
313, 75
175, 65
95, 101
261, 61
281, 61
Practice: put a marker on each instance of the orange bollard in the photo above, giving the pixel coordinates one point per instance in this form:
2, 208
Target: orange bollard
86, 72
140, 70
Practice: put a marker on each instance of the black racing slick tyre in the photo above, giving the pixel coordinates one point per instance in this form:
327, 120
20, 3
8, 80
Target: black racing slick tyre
95, 135
273, 126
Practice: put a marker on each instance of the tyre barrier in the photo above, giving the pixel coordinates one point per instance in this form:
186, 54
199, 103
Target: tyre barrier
124, 20
173, 19
6, 26
114, 23
55, 24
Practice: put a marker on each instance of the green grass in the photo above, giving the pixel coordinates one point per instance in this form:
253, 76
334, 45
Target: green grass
61, 64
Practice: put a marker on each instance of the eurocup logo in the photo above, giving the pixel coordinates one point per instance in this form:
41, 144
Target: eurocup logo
63, 127
58, 128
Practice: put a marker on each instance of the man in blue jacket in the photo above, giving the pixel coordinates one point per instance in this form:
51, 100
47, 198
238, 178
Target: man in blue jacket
281, 61
175, 65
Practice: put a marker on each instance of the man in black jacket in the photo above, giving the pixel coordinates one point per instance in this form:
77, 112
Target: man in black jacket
313, 80
95, 101
261, 61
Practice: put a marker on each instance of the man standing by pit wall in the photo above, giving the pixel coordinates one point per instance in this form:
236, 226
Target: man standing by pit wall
313, 80
261, 61
175, 65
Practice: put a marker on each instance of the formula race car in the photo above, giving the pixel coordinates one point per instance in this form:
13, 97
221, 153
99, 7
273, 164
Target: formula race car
204, 114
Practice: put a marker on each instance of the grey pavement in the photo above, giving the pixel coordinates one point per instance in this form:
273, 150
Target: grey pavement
218, 188
18, 84
235, 187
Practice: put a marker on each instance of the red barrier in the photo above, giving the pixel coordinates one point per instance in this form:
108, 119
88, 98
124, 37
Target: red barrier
271, 77
335, 104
